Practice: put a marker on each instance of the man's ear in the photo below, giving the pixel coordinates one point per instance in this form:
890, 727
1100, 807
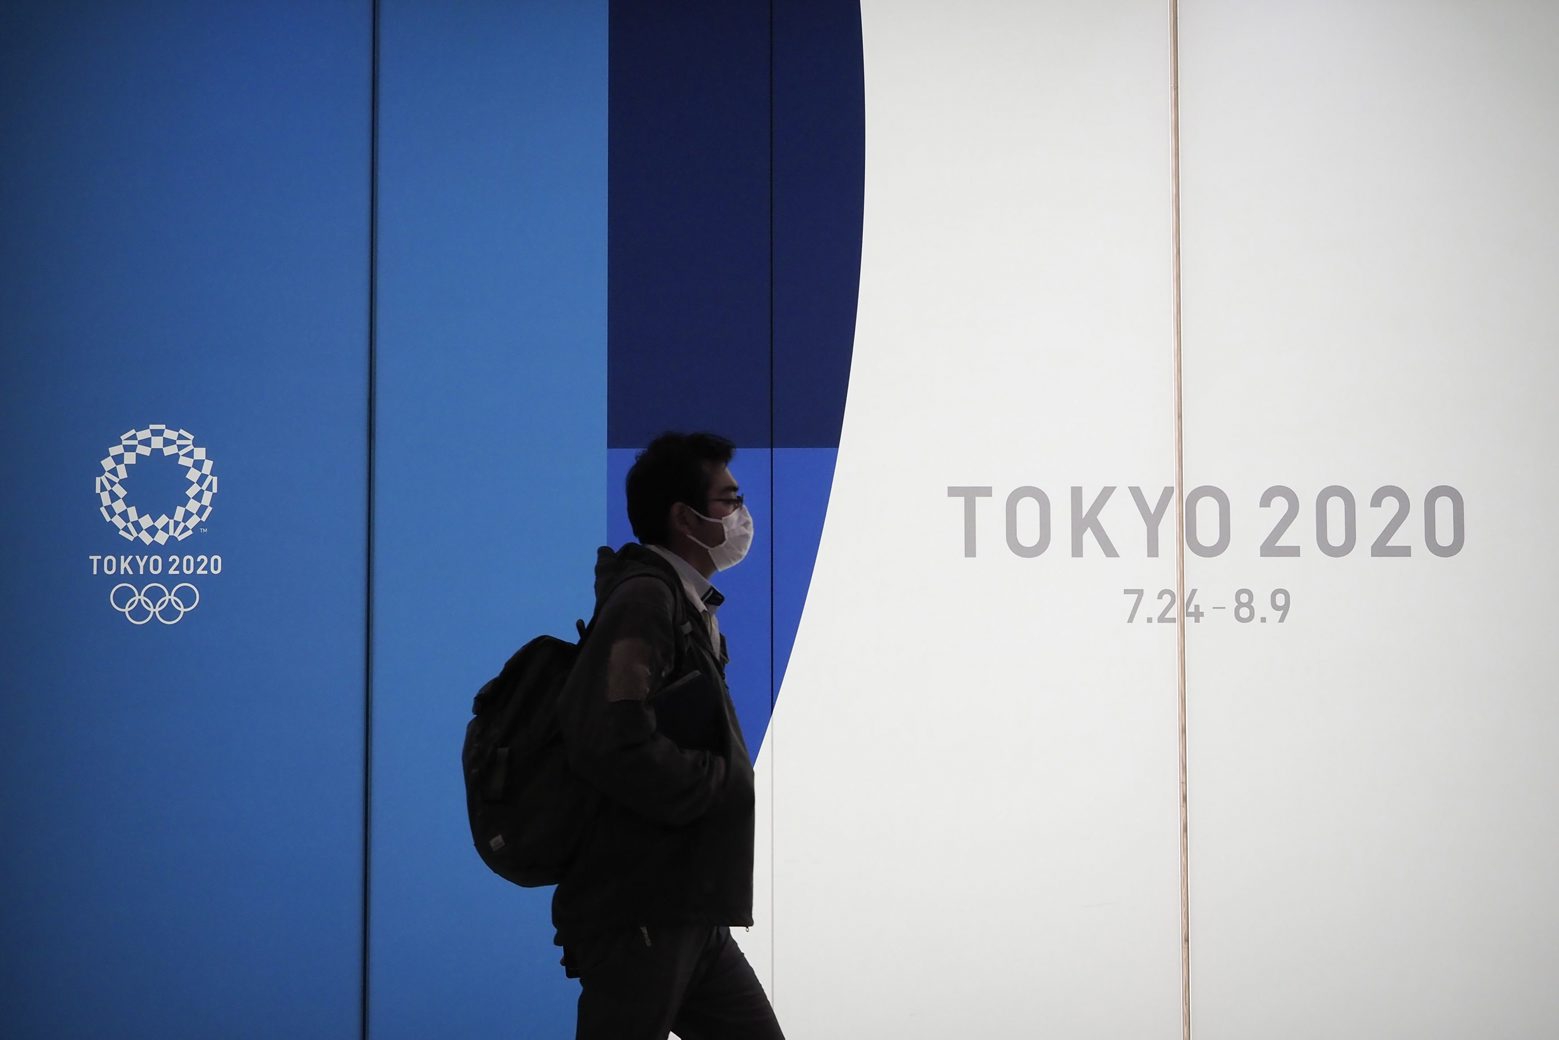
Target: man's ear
677, 520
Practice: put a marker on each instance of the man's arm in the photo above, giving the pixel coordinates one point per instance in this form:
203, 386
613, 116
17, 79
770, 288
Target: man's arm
608, 724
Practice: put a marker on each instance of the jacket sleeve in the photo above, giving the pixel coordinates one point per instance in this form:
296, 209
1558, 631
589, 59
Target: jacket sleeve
608, 721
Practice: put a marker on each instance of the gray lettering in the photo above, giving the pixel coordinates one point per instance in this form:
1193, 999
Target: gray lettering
1382, 545
1194, 543
1323, 525
1028, 552
969, 494
1458, 520
1083, 523
1152, 519
1270, 546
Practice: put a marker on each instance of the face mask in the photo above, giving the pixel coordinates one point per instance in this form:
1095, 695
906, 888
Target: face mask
738, 538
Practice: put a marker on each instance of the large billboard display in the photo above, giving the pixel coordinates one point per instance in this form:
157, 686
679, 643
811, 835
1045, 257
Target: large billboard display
1142, 408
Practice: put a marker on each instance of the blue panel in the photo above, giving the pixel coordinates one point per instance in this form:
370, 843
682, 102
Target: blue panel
491, 418
692, 183
183, 234
691, 343
745, 615
689, 310
819, 179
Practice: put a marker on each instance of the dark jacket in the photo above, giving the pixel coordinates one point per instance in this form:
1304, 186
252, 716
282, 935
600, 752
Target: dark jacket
648, 722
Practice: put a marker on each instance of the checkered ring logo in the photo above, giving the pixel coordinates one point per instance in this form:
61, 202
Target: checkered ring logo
133, 524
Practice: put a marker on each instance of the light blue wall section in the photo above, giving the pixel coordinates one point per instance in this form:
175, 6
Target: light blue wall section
184, 240
491, 450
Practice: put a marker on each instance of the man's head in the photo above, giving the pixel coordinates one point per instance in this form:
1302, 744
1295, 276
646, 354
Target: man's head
680, 492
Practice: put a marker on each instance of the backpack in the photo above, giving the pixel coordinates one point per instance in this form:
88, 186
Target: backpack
528, 811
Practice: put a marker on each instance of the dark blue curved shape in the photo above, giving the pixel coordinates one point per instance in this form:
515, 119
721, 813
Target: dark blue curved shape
736, 167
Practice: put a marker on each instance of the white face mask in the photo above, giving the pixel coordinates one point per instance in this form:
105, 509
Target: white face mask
738, 537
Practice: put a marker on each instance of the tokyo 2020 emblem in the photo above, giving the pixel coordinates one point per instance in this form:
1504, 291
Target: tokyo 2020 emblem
131, 522
168, 605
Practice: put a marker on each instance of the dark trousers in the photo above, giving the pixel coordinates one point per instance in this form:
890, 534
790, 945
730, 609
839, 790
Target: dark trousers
640, 984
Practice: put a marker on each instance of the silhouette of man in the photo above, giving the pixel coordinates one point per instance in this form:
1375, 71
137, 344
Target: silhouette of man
644, 911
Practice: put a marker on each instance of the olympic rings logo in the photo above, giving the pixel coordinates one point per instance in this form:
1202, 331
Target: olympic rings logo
141, 605
132, 523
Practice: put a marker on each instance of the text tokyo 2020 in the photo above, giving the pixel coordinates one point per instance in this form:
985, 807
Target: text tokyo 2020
1331, 525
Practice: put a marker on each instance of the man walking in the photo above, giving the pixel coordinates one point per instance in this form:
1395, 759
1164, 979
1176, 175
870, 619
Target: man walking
665, 868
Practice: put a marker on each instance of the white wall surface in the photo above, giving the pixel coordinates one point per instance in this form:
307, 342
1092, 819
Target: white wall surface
1370, 299
973, 760
969, 820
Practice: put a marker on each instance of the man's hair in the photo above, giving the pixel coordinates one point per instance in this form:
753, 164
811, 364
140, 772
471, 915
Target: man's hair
674, 468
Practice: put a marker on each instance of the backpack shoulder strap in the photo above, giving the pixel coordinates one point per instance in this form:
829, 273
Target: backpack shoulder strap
685, 659
679, 606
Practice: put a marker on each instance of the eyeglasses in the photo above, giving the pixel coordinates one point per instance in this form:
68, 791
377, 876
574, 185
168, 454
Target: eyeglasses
734, 501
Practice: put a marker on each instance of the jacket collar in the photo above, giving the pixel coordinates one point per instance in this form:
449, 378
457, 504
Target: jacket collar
704, 596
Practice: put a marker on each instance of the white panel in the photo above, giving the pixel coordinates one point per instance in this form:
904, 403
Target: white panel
973, 761
1370, 286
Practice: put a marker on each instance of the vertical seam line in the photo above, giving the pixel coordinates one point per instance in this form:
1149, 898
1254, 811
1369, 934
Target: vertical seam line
368, 628
1180, 649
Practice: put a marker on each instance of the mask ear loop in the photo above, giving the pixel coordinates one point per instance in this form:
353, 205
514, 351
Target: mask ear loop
714, 520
